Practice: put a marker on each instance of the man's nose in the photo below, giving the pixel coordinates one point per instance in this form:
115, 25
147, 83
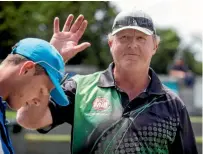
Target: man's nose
35, 101
132, 43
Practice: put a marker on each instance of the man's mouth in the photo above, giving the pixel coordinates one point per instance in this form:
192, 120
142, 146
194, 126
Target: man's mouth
131, 54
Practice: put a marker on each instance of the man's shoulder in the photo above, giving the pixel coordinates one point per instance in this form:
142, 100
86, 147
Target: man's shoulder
78, 78
89, 77
173, 98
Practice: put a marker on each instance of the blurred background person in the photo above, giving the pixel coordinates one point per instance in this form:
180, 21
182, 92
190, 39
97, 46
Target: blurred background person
181, 71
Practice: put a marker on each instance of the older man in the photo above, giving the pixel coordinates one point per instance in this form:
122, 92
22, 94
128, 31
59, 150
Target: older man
125, 108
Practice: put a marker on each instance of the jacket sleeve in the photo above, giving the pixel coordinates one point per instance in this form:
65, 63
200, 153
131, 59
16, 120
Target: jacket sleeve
184, 142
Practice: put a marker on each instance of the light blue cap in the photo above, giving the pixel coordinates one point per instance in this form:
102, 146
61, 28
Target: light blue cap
43, 53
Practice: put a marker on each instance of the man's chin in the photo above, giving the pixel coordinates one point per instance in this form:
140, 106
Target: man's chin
129, 64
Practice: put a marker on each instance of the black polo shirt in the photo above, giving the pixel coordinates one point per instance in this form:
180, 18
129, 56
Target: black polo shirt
155, 118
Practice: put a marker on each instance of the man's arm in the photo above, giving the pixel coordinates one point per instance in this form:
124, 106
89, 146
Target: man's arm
184, 142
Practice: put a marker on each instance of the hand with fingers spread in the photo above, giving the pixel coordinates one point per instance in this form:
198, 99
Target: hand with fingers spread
66, 41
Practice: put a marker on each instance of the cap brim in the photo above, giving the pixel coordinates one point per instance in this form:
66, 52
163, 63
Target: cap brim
57, 94
141, 29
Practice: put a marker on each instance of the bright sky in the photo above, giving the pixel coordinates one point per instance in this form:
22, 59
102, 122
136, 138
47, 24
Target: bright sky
185, 16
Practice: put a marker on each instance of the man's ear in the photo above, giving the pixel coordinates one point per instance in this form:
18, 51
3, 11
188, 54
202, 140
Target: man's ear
110, 41
27, 67
156, 44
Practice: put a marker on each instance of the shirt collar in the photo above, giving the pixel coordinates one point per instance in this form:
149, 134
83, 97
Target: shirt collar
155, 86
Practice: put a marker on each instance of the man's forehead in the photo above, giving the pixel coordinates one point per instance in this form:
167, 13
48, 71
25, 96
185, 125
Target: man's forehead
130, 31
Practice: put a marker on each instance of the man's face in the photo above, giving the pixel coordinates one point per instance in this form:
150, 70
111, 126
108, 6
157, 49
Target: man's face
132, 48
29, 89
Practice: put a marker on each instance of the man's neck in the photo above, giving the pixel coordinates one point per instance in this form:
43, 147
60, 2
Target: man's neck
131, 82
4, 83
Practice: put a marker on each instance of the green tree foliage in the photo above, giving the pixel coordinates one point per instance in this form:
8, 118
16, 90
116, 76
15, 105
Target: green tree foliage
166, 50
35, 19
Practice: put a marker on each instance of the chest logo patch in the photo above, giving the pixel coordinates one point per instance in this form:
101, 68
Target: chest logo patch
100, 104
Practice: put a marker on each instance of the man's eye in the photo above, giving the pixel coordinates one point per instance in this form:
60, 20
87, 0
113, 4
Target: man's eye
141, 38
123, 37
